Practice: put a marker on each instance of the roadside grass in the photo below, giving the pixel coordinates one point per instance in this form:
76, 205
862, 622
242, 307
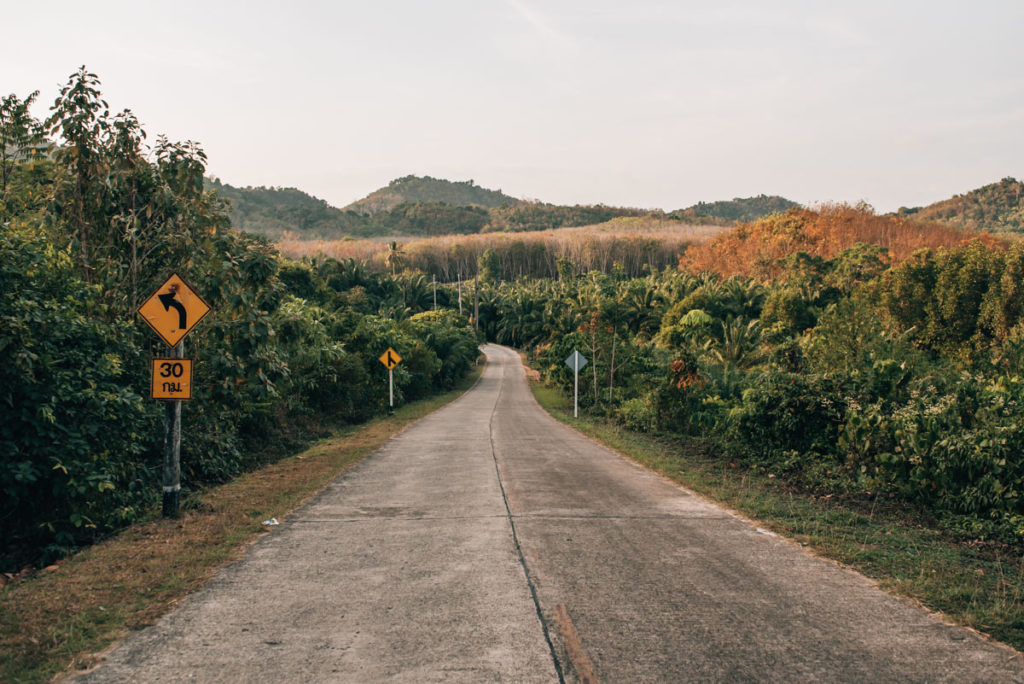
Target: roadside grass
54, 621
979, 585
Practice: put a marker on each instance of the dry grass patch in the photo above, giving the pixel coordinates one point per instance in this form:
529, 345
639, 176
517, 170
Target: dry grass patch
57, 619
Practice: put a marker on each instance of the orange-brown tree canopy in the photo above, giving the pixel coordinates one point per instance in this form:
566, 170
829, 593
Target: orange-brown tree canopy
754, 249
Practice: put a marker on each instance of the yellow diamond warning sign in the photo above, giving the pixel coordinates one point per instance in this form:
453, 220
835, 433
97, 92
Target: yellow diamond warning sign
173, 310
390, 359
172, 379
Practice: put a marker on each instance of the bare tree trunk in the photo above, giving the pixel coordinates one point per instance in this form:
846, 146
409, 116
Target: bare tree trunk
135, 271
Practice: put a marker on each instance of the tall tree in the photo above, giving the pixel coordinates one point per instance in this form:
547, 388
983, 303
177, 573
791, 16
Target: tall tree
489, 266
20, 134
79, 117
395, 256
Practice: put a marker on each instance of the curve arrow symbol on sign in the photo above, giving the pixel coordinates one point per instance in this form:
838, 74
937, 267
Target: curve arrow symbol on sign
168, 301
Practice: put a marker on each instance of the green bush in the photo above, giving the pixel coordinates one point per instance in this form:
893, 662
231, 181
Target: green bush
954, 445
639, 413
784, 418
449, 336
76, 437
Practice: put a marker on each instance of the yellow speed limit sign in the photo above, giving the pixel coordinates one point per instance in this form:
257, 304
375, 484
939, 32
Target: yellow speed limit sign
172, 379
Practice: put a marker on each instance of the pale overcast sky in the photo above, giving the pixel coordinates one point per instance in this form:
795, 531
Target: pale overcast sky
642, 103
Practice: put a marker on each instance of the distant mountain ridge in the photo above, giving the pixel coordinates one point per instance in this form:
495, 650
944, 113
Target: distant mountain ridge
273, 211
995, 208
424, 206
413, 189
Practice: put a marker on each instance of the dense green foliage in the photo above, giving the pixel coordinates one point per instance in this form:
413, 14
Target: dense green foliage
995, 208
538, 216
841, 376
88, 228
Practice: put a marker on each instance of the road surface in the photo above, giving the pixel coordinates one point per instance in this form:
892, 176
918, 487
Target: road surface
488, 542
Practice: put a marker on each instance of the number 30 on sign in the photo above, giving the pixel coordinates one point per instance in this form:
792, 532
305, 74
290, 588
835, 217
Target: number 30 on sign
172, 379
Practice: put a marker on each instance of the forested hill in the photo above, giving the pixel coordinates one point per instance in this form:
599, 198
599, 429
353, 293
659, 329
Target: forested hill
996, 208
414, 189
430, 207
738, 210
272, 211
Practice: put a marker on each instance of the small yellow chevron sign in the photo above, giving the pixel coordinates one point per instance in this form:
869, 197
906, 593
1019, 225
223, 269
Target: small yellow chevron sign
390, 359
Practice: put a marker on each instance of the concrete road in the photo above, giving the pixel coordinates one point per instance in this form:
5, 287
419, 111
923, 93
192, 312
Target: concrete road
490, 543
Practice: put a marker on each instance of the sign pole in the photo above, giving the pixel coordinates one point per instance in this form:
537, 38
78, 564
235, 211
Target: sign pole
576, 389
390, 359
576, 361
172, 449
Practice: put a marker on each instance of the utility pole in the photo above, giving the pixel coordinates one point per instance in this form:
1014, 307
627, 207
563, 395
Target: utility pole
476, 301
433, 279
460, 293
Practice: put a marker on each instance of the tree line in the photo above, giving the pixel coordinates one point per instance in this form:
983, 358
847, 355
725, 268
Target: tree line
637, 245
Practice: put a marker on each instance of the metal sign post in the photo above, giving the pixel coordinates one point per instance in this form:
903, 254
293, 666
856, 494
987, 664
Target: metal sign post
390, 359
173, 311
576, 361
172, 449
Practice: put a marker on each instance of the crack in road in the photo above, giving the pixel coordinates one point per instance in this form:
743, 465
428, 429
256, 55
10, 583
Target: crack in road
424, 518
513, 516
515, 535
